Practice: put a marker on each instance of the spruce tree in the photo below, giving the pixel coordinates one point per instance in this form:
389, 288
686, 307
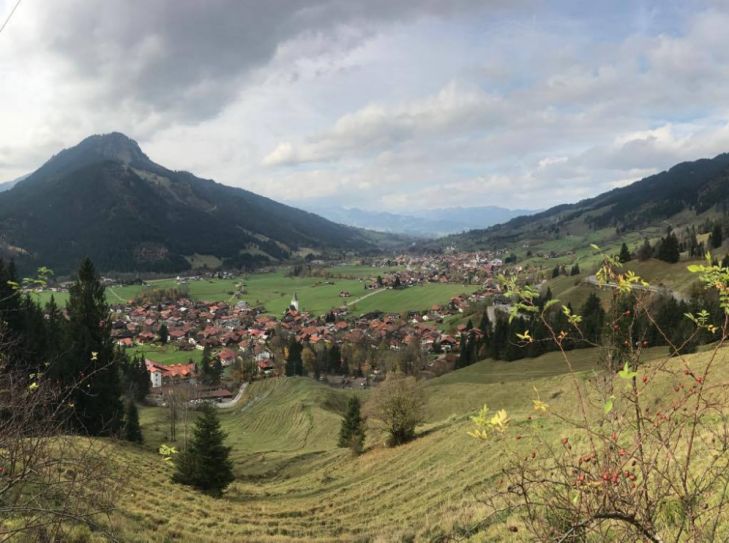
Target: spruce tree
352, 431
294, 362
646, 251
132, 430
624, 255
164, 334
593, 319
205, 463
669, 250
89, 365
716, 237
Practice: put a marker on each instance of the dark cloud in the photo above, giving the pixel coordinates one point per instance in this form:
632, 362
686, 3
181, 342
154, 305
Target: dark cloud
189, 57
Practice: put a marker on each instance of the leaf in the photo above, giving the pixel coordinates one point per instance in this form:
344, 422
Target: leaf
500, 420
627, 373
539, 405
594, 246
608, 406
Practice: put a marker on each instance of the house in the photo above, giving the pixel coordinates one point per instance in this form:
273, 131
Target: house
160, 374
227, 357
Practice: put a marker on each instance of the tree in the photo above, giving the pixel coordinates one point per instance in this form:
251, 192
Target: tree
294, 362
716, 237
89, 358
635, 439
135, 381
646, 251
205, 463
352, 431
555, 271
399, 405
132, 430
624, 255
593, 319
164, 334
309, 360
204, 365
668, 250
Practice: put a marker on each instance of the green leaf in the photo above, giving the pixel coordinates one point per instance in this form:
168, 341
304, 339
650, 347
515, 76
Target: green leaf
627, 373
608, 406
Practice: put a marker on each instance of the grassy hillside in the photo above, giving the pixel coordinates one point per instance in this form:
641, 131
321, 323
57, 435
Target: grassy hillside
295, 485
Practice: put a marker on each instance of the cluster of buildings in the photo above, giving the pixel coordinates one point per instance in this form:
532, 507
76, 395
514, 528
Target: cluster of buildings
232, 330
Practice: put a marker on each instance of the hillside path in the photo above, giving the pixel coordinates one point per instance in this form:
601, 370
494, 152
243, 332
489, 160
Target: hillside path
231, 403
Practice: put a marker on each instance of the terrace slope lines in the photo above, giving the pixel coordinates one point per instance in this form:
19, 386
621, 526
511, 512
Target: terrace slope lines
104, 198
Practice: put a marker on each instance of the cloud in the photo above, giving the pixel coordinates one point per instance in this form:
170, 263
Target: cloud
382, 104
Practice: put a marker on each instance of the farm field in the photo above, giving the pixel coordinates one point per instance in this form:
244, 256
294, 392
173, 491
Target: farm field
316, 295
294, 484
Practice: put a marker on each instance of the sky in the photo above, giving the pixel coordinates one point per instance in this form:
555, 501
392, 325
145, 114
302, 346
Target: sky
380, 104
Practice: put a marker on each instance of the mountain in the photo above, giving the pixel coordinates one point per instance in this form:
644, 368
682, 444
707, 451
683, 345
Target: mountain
7, 185
106, 199
424, 223
685, 192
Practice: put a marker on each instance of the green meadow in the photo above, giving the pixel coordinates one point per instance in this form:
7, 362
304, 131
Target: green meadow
317, 295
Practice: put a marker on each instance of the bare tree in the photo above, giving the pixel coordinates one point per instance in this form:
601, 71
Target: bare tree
50, 481
645, 454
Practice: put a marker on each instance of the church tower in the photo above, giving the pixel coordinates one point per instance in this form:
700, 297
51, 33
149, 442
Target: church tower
295, 302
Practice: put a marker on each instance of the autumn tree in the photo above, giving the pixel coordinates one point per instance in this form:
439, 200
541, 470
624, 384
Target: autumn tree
398, 404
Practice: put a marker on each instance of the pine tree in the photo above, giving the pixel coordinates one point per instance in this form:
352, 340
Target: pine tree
555, 272
206, 369
294, 362
624, 255
716, 237
668, 250
463, 353
89, 364
132, 430
646, 251
205, 463
164, 334
593, 319
352, 431
575, 269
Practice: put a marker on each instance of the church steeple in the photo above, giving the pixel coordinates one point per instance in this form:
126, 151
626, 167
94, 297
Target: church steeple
295, 302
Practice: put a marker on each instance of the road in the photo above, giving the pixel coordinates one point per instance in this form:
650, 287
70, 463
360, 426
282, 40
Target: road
592, 280
231, 403
366, 296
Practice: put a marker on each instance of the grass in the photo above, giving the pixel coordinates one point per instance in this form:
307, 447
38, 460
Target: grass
165, 354
274, 290
294, 484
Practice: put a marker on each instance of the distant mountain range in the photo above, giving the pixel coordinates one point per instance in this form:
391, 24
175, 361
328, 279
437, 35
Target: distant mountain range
106, 199
423, 223
685, 192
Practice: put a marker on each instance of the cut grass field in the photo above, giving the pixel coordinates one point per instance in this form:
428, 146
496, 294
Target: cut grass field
294, 484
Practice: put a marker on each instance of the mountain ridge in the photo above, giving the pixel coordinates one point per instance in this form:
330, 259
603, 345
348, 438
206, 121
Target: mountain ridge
106, 199
695, 187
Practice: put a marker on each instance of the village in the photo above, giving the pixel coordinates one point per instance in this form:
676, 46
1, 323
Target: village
236, 333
